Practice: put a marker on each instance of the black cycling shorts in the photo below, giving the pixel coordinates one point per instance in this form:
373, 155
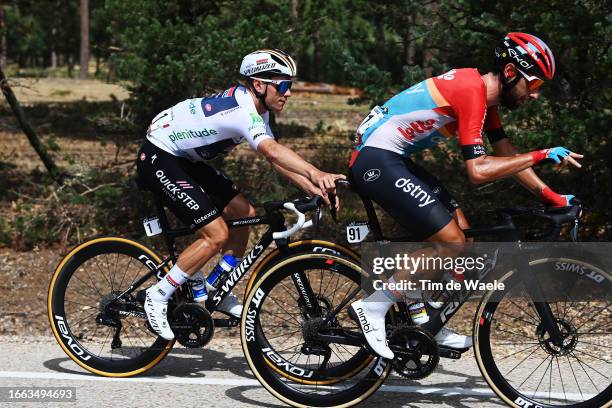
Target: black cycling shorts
195, 192
412, 196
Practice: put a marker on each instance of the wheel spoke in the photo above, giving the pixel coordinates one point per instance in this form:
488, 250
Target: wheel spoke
561, 378
590, 318
533, 371
520, 362
582, 364
514, 353
574, 375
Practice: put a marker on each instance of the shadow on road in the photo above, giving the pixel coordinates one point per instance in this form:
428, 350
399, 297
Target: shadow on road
197, 363
181, 362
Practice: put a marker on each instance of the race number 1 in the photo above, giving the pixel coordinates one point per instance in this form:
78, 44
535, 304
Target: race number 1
152, 226
357, 231
375, 115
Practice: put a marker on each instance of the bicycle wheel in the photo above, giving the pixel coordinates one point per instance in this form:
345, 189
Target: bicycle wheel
513, 352
84, 282
274, 332
341, 371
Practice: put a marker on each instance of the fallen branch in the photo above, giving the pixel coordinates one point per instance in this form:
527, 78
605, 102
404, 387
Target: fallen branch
29, 132
91, 190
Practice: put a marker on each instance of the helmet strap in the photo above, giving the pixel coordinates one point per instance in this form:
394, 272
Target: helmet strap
507, 86
262, 96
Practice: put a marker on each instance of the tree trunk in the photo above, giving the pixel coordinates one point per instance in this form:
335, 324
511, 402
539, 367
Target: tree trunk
408, 43
53, 50
380, 40
429, 53
84, 60
294, 9
29, 132
428, 56
110, 76
2, 40
70, 65
316, 57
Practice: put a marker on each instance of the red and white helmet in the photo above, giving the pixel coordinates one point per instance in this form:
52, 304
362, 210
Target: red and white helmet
265, 63
528, 53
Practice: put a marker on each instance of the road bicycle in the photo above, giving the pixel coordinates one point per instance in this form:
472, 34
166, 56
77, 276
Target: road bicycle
533, 350
96, 294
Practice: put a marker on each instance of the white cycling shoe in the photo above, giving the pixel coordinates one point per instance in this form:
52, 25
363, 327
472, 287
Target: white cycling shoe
157, 314
449, 338
231, 305
373, 329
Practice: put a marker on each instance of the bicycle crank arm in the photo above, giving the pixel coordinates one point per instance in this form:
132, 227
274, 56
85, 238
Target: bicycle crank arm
453, 354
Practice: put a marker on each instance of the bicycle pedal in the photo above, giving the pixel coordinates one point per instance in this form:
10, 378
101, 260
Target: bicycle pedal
231, 322
454, 354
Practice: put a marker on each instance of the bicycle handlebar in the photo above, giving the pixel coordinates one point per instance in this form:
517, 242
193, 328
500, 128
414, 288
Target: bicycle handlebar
296, 227
298, 207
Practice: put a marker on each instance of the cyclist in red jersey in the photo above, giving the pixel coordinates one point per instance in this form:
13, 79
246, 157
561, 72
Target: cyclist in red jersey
461, 101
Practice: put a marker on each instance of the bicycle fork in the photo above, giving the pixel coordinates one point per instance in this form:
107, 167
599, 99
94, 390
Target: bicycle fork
536, 294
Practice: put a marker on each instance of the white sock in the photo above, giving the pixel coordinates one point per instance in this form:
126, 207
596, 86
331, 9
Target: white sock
164, 289
379, 302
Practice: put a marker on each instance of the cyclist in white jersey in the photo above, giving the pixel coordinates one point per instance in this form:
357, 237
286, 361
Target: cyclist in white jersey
172, 159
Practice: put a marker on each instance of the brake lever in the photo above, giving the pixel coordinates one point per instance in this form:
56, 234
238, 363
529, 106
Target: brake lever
315, 221
332, 211
574, 231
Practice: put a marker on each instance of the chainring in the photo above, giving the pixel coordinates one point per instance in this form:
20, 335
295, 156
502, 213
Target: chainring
418, 353
192, 325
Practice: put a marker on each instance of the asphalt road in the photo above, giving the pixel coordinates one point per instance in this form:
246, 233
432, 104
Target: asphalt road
216, 376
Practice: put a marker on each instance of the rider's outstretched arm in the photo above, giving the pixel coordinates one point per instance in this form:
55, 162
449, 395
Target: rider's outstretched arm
289, 160
527, 178
300, 181
484, 169
303, 183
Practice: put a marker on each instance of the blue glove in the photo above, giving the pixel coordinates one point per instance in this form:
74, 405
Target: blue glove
568, 199
557, 154
553, 199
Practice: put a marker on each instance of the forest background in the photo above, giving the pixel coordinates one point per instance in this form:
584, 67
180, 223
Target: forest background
351, 55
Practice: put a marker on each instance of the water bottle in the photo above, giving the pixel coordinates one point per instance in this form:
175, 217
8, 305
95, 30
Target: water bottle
439, 298
198, 289
225, 266
418, 313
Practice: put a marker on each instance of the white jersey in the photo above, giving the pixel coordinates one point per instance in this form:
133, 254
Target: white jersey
202, 128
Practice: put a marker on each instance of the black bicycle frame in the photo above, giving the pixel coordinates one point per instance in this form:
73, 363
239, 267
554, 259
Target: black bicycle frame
273, 218
505, 229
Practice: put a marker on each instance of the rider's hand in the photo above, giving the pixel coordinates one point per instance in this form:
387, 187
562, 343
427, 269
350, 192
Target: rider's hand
553, 199
317, 191
558, 155
325, 181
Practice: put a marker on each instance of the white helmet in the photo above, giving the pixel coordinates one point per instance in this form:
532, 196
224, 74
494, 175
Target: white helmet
268, 62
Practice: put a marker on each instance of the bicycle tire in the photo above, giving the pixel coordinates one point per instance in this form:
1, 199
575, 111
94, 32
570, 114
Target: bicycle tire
295, 389
63, 325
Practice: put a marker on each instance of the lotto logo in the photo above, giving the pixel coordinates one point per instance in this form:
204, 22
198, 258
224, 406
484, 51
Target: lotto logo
416, 127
